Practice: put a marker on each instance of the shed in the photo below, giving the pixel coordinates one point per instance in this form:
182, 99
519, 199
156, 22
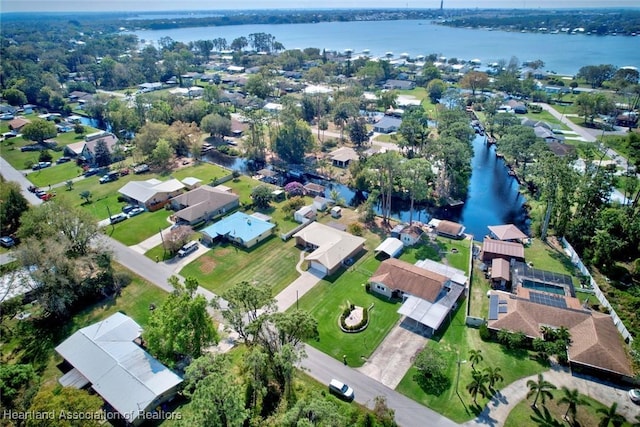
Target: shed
500, 273
336, 212
314, 189
321, 203
391, 246
305, 214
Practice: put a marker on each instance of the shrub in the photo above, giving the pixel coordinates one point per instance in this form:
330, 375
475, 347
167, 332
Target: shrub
122, 278
485, 335
355, 228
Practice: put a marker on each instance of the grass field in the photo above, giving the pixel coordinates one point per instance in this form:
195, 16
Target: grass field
134, 230
272, 262
524, 415
207, 172
326, 302
55, 174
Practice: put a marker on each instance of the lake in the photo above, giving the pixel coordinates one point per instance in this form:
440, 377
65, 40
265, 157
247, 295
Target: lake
562, 53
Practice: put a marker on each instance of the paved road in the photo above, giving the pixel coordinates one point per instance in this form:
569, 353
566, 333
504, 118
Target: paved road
11, 174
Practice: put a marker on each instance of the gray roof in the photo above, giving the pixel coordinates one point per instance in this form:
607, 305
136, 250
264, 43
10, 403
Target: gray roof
453, 274
125, 375
391, 246
143, 191
388, 122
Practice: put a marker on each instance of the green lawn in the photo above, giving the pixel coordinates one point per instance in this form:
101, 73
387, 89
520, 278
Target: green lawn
547, 257
272, 262
134, 230
326, 302
55, 174
207, 172
456, 342
524, 415
547, 117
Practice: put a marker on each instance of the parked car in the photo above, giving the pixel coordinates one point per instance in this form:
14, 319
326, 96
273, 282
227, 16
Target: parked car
141, 168
109, 177
135, 211
91, 172
7, 242
341, 390
128, 208
47, 196
114, 219
63, 159
634, 395
41, 165
188, 248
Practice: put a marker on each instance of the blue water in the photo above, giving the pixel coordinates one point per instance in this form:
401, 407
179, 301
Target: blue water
562, 53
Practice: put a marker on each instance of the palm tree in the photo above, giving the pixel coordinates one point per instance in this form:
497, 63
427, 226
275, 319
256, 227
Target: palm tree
548, 333
563, 334
573, 400
609, 415
475, 356
494, 376
478, 385
337, 198
541, 388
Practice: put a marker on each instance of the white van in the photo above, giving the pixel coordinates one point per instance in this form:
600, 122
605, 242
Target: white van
341, 390
188, 248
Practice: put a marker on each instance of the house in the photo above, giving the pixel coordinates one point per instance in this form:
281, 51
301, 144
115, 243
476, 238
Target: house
305, 214
343, 156
492, 248
560, 149
105, 356
321, 203
17, 124
238, 228
399, 84
596, 347
449, 229
410, 235
313, 189
86, 150
428, 296
151, 194
331, 247
387, 124
390, 246
203, 204
149, 87
507, 233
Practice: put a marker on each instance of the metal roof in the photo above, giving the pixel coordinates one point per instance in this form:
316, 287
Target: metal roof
391, 246
125, 375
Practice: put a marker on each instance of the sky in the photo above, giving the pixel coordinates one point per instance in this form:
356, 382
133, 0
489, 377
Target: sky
165, 5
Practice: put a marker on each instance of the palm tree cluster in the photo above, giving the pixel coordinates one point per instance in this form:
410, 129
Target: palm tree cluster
483, 382
542, 390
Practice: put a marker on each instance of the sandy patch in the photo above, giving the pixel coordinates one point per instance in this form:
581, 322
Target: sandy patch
207, 265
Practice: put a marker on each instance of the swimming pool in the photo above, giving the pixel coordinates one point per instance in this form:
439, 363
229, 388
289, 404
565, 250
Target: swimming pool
543, 287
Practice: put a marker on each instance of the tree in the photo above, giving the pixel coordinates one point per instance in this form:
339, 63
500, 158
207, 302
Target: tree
245, 300
595, 75
478, 385
475, 356
183, 136
261, 196
573, 399
541, 388
217, 399
12, 206
610, 416
258, 86
161, 155
176, 238
519, 143
435, 89
86, 196
149, 135
294, 188
432, 365
358, 131
14, 96
292, 140
39, 130
494, 376
66, 403
313, 410
102, 155
475, 80
388, 166
181, 327
416, 179
216, 125
342, 113
15, 381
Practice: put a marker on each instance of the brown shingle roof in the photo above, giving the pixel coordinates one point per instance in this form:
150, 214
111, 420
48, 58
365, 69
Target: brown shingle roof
507, 232
400, 275
511, 249
449, 227
595, 339
18, 122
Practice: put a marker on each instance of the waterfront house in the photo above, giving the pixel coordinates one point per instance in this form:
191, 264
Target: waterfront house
107, 357
492, 248
86, 150
387, 124
341, 157
410, 235
507, 233
449, 229
313, 189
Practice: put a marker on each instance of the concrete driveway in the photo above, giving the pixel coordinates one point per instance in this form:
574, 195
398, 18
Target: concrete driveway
393, 357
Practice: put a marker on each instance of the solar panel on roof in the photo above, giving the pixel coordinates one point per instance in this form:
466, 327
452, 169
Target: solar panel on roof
493, 307
547, 299
502, 309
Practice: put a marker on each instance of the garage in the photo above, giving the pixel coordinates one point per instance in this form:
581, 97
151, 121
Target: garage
317, 267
